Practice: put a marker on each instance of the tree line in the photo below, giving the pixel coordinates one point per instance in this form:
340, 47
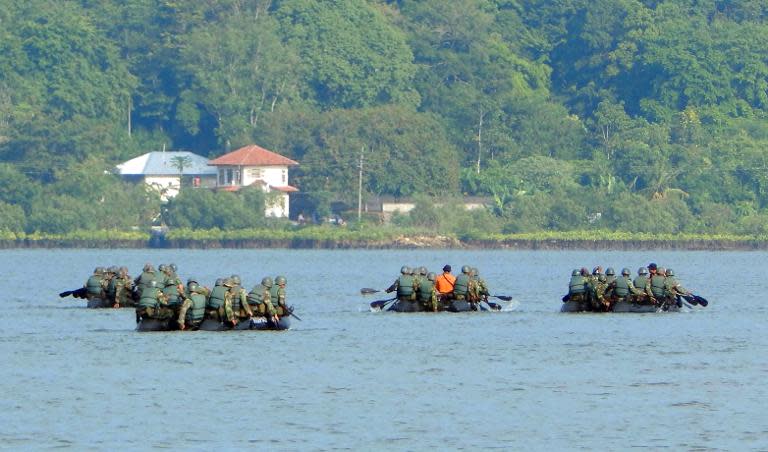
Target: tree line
627, 115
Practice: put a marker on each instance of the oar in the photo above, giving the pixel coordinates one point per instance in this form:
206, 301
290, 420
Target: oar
502, 297
701, 300
493, 306
368, 290
77, 293
290, 312
380, 303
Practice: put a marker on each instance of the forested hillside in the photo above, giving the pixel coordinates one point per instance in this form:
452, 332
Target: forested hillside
627, 115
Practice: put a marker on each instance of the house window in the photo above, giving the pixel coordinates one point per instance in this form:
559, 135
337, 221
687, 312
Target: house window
285, 176
229, 176
255, 173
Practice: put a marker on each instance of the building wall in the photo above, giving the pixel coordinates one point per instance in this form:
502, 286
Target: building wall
167, 186
276, 176
280, 207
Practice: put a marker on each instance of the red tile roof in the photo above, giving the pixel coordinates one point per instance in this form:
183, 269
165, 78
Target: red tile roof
253, 156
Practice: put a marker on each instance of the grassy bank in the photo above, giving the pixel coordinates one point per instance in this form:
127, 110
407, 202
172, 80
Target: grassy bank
333, 237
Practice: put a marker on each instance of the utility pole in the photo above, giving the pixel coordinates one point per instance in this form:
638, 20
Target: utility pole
360, 187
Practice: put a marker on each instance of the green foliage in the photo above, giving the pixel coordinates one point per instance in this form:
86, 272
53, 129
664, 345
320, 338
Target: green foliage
206, 209
624, 115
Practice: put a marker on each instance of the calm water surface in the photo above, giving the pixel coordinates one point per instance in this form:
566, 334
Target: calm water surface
346, 378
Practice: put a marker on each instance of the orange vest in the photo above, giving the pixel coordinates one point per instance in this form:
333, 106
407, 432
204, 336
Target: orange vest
444, 283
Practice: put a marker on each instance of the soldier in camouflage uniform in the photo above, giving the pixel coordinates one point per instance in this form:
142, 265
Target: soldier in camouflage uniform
143, 280
427, 293
577, 288
94, 287
404, 285
672, 288
642, 284
621, 289
123, 289
610, 275
153, 304
214, 307
277, 296
173, 289
482, 287
237, 301
192, 312
260, 300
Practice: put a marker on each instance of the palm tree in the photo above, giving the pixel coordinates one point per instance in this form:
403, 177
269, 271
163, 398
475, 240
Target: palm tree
180, 162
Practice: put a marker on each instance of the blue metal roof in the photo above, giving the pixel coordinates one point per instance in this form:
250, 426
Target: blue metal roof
161, 164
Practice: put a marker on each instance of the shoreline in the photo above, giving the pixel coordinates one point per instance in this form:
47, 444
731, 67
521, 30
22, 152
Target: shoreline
403, 243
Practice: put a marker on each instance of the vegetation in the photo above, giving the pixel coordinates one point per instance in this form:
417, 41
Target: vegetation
629, 116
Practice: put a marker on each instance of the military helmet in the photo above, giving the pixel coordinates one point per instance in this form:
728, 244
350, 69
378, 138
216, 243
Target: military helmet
148, 268
192, 286
423, 270
228, 282
625, 271
575, 272
431, 276
123, 271
642, 271
98, 270
280, 280
405, 270
173, 267
191, 280
661, 271
465, 269
266, 281
235, 279
670, 272
609, 271
602, 278
219, 282
475, 271
161, 267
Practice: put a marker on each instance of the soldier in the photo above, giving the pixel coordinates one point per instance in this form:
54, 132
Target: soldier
260, 300
461, 286
427, 294
610, 275
643, 285
602, 303
277, 296
622, 288
214, 307
577, 287
672, 288
173, 288
153, 304
192, 310
143, 280
482, 287
657, 283
404, 285
236, 303
123, 288
93, 286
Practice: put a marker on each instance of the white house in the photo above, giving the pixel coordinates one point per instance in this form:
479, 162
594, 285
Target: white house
160, 170
255, 166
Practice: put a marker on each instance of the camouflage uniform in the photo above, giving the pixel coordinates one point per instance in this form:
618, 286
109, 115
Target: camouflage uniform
642, 284
427, 293
94, 286
277, 296
215, 305
260, 299
153, 304
123, 288
192, 310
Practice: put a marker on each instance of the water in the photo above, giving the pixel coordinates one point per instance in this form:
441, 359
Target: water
346, 378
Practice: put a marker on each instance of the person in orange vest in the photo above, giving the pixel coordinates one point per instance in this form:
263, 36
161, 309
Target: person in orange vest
444, 284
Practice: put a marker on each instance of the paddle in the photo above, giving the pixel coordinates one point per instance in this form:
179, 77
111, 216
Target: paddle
493, 306
689, 298
380, 303
368, 290
290, 312
700, 300
502, 297
77, 293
